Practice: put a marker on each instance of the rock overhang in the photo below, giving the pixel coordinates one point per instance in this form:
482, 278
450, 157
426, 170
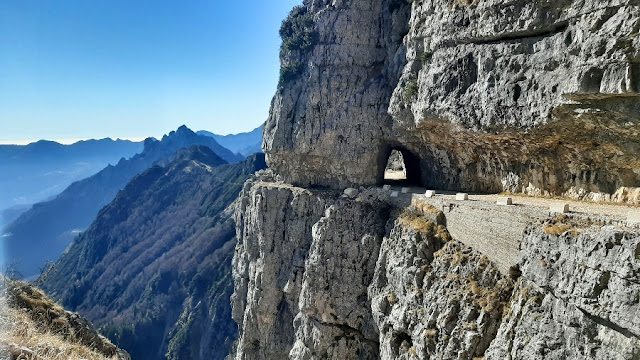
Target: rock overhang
542, 92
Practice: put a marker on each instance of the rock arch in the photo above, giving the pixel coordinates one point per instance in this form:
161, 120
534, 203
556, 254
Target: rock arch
411, 164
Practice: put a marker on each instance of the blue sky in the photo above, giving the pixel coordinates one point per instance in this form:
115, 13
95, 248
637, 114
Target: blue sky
75, 69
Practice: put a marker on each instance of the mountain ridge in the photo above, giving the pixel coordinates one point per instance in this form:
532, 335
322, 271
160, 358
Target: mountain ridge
243, 143
52, 224
37, 171
156, 262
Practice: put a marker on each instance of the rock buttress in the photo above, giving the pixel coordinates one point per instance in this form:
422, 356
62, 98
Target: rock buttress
322, 276
301, 270
327, 125
539, 97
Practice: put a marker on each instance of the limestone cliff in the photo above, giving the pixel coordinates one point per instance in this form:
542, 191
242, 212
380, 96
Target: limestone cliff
536, 97
523, 96
323, 276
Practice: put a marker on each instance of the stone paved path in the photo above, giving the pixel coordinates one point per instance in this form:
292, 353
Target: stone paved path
496, 230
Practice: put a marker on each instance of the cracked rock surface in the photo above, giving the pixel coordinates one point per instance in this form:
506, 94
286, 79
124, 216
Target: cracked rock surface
536, 97
579, 297
319, 275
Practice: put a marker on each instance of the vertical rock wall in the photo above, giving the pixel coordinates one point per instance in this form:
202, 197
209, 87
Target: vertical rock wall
539, 97
578, 298
322, 276
301, 271
536, 96
328, 126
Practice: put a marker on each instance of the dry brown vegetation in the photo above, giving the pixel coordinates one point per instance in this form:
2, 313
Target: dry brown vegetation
557, 229
20, 331
418, 217
466, 3
35, 327
490, 299
494, 298
561, 224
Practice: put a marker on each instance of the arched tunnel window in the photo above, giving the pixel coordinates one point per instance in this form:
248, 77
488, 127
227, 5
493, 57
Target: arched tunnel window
395, 169
402, 167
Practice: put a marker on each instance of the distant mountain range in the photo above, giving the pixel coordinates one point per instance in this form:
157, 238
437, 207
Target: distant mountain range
243, 143
41, 170
154, 268
43, 232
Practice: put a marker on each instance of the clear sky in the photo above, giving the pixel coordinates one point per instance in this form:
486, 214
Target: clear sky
76, 69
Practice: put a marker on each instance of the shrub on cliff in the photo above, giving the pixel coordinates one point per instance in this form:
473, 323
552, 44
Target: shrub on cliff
299, 36
298, 30
290, 72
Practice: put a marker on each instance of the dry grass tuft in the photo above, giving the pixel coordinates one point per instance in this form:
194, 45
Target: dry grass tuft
465, 3
556, 229
425, 208
21, 331
489, 299
417, 218
392, 298
562, 224
32, 326
430, 335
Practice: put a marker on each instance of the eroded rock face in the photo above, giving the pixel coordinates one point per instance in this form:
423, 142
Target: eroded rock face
319, 275
538, 96
523, 96
301, 271
430, 304
578, 298
328, 126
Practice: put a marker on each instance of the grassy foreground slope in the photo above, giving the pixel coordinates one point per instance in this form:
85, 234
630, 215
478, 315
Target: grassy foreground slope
32, 326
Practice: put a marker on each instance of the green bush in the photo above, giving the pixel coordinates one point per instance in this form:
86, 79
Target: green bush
290, 72
298, 30
425, 57
411, 90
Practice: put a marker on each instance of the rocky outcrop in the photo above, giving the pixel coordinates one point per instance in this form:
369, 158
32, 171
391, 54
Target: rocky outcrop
537, 96
627, 195
434, 300
328, 125
301, 272
578, 297
320, 275
42, 328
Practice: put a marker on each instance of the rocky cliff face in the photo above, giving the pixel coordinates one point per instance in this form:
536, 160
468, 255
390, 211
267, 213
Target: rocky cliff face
294, 245
578, 298
524, 96
539, 97
323, 276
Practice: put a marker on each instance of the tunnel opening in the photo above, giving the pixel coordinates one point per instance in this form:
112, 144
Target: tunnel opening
401, 167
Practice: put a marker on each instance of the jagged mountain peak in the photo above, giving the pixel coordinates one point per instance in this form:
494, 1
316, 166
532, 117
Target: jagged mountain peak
183, 137
53, 224
199, 153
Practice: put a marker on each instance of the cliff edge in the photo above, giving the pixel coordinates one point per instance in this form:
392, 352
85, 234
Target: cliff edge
323, 276
536, 97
